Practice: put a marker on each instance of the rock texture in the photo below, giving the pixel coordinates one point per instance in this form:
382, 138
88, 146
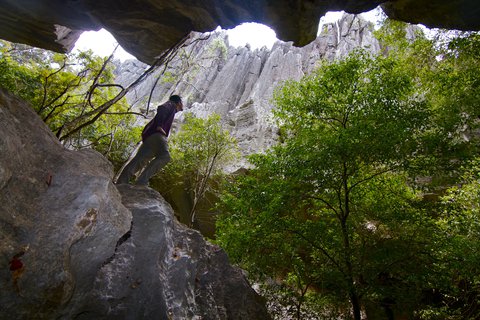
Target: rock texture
92, 251
238, 83
145, 28
163, 270
459, 14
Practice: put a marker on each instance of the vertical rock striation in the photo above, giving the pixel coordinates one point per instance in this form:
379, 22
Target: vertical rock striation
238, 83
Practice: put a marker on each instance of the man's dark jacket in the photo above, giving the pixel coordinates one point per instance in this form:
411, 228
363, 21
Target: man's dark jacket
163, 118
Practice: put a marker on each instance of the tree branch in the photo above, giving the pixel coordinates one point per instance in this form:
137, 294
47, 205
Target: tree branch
97, 112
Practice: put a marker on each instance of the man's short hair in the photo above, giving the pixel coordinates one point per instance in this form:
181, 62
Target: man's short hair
175, 98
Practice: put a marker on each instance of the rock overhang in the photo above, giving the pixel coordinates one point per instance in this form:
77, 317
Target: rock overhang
145, 28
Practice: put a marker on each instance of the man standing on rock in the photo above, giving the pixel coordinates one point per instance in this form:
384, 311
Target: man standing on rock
153, 154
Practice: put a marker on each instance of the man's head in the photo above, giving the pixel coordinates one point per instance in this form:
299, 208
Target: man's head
178, 102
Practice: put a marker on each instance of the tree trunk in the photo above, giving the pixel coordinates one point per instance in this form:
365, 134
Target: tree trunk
355, 305
354, 299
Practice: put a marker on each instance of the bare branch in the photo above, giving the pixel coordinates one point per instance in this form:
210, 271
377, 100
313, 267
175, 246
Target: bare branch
110, 85
129, 112
44, 99
99, 111
44, 105
97, 77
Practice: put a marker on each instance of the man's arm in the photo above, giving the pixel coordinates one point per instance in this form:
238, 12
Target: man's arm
160, 129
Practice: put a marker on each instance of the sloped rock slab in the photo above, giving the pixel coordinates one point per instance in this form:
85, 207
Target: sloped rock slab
164, 270
60, 217
86, 249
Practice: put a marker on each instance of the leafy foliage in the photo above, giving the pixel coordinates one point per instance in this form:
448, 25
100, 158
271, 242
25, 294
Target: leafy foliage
66, 91
15, 77
445, 69
334, 213
460, 222
325, 206
200, 150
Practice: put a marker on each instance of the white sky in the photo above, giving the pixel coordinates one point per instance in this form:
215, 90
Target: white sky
102, 42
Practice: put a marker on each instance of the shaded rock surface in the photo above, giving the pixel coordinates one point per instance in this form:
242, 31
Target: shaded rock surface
145, 28
164, 270
92, 251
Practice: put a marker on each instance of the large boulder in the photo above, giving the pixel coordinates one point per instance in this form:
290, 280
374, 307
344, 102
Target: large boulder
82, 248
145, 28
163, 270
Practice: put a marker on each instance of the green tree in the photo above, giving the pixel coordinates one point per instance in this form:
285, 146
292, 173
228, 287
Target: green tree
76, 95
454, 89
332, 197
65, 91
200, 151
445, 66
459, 223
15, 77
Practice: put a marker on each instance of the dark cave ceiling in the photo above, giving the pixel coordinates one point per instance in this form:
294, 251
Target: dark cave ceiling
145, 28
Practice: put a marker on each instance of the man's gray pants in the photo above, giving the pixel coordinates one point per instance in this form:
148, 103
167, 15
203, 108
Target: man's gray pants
154, 151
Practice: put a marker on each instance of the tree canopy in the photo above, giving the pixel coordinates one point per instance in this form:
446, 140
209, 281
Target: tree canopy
339, 210
68, 92
201, 150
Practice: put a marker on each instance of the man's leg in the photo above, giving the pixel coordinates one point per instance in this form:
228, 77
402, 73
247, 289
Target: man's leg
162, 157
143, 155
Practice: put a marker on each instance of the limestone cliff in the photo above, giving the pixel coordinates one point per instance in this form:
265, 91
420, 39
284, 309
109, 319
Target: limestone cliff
81, 248
238, 83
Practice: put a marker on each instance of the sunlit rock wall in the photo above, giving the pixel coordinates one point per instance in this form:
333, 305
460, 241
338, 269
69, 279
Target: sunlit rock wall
238, 83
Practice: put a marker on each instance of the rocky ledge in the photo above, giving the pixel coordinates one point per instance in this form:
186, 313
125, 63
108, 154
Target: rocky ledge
74, 246
145, 28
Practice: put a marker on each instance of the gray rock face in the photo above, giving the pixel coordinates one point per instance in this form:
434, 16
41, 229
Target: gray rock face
238, 83
59, 203
164, 270
90, 251
145, 28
